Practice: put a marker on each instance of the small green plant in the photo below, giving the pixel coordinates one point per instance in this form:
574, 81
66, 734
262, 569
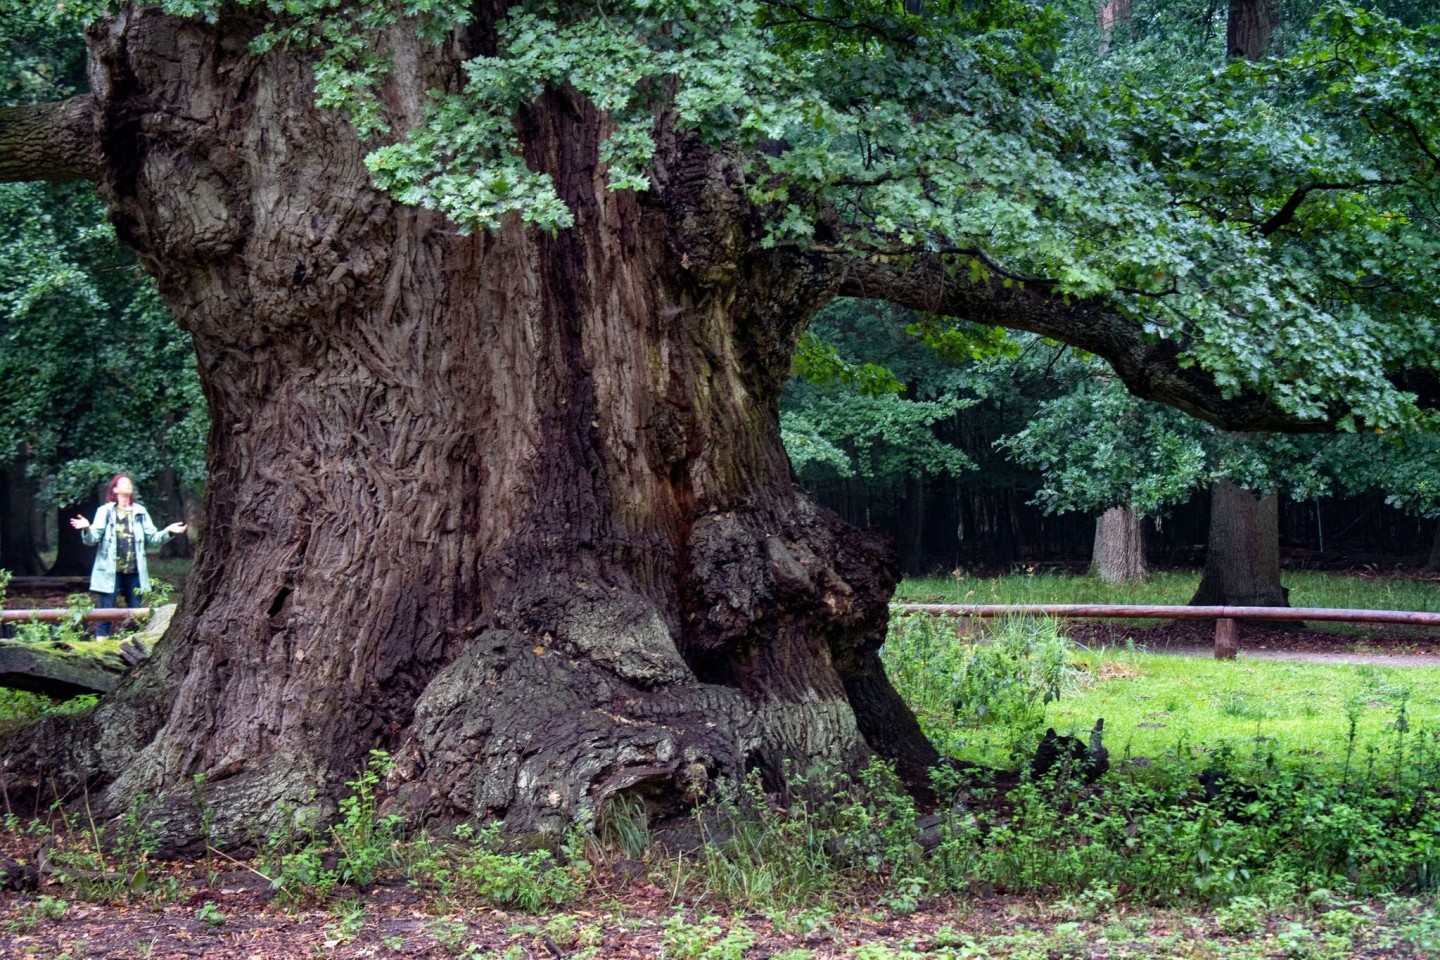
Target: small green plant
1095, 901
530, 880
449, 934
704, 939
625, 826
43, 908
904, 894
51, 908
65, 632
573, 932
210, 915
159, 593
1006, 678
1241, 916
366, 841
114, 862
294, 861
349, 920
1422, 928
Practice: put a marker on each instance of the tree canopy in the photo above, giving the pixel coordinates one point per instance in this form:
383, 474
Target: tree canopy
1270, 223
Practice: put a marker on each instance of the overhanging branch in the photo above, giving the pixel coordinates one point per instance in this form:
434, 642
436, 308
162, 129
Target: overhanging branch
1286, 213
1149, 367
49, 141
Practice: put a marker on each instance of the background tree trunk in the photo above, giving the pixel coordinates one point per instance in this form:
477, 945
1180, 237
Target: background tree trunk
1119, 554
1242, 557
1434, 563
1248, 29
177, 507
17, 513
511, 506
1109, 15
72, 557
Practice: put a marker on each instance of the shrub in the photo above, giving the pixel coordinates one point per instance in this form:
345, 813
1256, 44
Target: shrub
1021, 665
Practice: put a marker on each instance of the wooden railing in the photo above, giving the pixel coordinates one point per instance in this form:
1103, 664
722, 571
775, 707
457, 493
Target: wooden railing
56, 614
1224, 617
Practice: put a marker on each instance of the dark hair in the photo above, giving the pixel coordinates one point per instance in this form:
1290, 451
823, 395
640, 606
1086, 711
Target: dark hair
110, 488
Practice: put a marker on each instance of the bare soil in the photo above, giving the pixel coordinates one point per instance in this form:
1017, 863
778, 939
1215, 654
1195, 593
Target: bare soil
620, 920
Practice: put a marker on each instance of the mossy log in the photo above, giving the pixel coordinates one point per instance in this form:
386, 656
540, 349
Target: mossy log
65, 670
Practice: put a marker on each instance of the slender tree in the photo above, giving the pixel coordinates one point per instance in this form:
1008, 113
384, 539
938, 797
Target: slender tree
1101, 451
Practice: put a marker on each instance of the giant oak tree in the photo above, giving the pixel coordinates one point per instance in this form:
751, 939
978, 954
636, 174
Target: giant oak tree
493, 334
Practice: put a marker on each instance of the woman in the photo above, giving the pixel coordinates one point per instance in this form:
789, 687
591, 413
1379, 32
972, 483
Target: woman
122, 527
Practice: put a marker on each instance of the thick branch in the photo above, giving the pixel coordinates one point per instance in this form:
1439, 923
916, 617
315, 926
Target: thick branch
1149, 367
49, 141
1287, 212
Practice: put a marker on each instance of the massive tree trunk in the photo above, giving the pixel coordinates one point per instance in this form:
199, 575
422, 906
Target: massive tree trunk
511, 506
1242, 557
17, 515
1119, 554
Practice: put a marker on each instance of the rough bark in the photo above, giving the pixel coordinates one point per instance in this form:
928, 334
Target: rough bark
1242, 557
1119, 554
17, 532
512, 506
49, 141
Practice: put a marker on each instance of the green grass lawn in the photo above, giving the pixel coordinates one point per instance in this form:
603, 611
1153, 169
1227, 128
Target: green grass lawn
1153, 704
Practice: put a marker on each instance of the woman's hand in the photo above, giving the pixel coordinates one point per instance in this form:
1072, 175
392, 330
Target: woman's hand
80, 523
175, 529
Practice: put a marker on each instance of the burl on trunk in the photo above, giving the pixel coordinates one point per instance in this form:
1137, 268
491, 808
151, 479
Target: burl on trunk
511, 506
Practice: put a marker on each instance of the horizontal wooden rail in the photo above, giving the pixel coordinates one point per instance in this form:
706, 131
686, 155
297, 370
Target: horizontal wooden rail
1224, 617
56, 614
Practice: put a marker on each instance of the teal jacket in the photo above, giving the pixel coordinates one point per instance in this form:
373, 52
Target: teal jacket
102, 531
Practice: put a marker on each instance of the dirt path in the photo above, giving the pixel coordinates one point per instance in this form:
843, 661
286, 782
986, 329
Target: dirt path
1319, 656
1382, 646
391, 921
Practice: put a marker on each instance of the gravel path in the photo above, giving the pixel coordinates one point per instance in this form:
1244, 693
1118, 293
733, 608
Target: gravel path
1317, 656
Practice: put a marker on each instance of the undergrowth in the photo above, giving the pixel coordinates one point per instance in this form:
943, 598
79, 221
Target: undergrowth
1244, 831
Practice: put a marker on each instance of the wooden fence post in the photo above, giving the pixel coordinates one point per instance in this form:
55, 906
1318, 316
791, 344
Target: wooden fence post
1226, 645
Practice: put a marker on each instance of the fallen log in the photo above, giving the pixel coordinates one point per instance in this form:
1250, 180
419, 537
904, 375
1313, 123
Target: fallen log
65, 670
58, 671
